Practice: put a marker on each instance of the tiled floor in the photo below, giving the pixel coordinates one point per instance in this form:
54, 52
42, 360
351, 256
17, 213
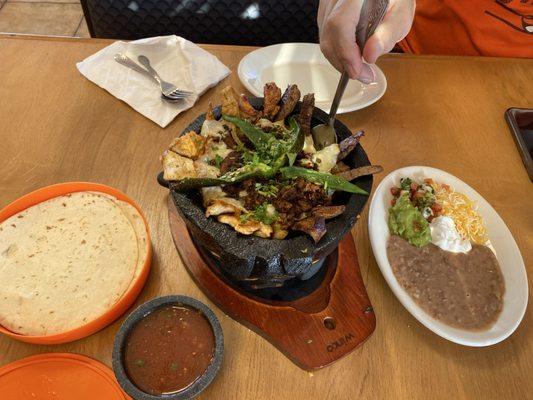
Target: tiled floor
43, 17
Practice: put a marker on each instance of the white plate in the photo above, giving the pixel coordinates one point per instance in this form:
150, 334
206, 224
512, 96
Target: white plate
305, 65
507, 252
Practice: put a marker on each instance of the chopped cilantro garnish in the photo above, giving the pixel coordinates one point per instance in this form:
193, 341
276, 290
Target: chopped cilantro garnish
218, 160
266, 213
266, 189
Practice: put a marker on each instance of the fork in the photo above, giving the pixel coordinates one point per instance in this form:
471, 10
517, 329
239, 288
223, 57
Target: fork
173, 95
168, 89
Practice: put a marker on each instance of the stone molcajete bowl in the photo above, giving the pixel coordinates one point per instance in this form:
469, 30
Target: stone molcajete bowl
270, 262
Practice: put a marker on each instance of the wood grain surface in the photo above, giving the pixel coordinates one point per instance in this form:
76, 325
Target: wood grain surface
445, 112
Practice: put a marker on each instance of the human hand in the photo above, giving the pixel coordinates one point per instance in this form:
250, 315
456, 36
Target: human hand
337, 21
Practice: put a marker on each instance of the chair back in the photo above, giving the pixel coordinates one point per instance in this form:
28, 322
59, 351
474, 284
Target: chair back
238, 22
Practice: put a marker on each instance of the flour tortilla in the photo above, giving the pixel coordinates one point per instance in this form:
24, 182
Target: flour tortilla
63, 263
139, 227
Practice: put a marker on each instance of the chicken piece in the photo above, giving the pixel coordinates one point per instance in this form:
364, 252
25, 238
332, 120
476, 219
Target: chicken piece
266, 125
224, 205
190, 145
288, 102
210, 115
279, 233
246, 228
215, 147
306, 113
211, 193
230, 102
211, 128
247, 110
264, 231
272, 96
205, 170
176, 167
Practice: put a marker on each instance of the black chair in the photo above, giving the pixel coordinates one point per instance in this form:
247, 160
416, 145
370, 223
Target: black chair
240, 22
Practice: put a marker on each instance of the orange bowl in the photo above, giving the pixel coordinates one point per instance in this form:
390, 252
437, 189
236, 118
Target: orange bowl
127, 298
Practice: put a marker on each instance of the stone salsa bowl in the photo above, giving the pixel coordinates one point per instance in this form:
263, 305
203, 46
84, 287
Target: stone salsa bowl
270, 262
135, 317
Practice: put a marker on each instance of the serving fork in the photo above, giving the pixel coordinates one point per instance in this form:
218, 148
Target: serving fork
169, 91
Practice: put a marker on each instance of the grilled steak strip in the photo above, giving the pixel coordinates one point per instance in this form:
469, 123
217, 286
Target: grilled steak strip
306, 112
288, 102
361, 171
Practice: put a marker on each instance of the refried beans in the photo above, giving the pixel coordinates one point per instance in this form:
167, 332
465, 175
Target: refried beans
463, 290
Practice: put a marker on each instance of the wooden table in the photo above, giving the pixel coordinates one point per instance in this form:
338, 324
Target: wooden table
445, 112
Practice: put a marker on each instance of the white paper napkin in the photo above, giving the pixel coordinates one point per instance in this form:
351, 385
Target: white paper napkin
176, 59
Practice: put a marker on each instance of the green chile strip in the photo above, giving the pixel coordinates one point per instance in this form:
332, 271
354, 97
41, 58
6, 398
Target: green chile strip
253, 133
239, 175
331, 181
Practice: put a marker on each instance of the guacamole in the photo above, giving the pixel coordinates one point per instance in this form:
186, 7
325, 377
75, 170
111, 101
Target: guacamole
406, 221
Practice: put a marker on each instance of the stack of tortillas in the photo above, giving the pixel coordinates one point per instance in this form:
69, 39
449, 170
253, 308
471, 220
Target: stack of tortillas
67, 260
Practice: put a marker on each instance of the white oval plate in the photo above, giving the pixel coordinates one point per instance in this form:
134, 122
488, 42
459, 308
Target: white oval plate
507, 252
305, 65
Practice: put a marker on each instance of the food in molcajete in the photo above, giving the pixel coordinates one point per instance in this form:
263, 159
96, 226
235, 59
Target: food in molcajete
169, 350
259, 170
66, 261
440, 254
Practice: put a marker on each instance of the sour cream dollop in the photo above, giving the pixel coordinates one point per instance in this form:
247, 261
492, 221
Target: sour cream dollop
445, 235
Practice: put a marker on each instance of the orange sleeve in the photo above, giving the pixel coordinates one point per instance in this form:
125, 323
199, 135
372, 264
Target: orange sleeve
474, 27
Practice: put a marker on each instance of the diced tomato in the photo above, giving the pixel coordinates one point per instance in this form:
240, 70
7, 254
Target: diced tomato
436, 207
395, 191
414, 186
393, 202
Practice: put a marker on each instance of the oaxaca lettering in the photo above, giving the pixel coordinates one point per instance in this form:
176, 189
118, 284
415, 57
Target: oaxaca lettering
342, 341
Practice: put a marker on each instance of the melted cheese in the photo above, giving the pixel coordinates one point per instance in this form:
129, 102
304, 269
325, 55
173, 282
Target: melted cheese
326, 158
212, 128
309, 145
214, 149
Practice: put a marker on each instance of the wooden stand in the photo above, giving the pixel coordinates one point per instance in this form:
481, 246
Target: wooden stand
313, 331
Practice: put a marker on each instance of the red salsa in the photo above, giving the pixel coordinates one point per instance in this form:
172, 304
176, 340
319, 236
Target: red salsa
169, 349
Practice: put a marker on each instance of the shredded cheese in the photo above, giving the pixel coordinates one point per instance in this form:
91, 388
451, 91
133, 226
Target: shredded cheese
464, 213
